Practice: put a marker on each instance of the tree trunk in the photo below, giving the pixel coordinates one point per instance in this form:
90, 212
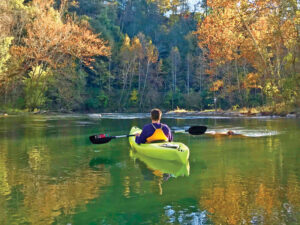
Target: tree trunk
145, 82
188, 74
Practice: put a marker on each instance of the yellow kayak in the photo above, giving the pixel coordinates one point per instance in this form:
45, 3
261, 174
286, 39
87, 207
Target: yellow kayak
171, 151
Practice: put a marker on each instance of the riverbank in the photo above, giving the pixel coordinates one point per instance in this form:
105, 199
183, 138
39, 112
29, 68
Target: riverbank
182, 112
236, 113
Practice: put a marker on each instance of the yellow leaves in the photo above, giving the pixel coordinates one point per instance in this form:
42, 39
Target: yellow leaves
74, 4
4, 52
217, 85
297, 17
126, 42
136, 43
163, 5
252, 81
134, 96
271, 90
38, 72
16, 4
131, 49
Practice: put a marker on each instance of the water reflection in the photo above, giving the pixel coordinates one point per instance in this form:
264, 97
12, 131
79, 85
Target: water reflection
234, 199
190, 215
44, 201
160, 167
159, 171
30, 195
99, 163
51, 174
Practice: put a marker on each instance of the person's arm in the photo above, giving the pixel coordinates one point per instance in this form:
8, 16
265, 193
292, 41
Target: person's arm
168, 132
142, 137
170, 137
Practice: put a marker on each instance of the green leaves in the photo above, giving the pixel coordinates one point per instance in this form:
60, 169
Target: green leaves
5, 44
36, 87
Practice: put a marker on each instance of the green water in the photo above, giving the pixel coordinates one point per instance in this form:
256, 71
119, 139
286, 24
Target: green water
51, 174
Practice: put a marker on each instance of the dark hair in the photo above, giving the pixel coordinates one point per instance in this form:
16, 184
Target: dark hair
156, 114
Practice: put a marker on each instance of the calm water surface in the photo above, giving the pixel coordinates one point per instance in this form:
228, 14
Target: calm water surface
51, 174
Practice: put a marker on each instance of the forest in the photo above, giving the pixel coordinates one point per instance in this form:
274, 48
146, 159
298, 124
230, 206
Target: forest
133, 55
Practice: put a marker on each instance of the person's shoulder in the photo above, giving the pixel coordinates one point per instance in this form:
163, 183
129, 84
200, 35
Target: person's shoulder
165, 125
147, 126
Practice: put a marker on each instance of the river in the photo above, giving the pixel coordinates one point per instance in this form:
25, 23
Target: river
50, 173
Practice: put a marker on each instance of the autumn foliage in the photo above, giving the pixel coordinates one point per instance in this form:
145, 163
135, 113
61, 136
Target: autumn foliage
258, 33
53, 42
242, 53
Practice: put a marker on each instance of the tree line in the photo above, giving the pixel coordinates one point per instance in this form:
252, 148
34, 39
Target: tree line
125, 55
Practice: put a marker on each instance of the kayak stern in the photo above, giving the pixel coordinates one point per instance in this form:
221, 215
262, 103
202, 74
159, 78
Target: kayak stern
172, 151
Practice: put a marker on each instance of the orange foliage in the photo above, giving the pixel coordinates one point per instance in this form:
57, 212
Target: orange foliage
54, 43
253, 30
217, 85
252, 81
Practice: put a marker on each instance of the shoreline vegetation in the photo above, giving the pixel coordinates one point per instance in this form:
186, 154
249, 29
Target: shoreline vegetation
244, 112
90, 56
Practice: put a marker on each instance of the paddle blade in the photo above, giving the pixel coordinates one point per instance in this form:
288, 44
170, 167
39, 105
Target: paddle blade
97, 139
197, 130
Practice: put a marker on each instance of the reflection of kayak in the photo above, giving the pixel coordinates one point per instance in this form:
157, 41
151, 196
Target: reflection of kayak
171, 151
169, 167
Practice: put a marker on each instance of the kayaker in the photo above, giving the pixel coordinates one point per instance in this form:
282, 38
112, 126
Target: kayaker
154, 131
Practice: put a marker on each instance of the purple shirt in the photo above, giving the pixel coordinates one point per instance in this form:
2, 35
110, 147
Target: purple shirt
148, 130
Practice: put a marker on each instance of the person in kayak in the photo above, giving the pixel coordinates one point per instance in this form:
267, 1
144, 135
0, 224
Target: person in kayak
154, 131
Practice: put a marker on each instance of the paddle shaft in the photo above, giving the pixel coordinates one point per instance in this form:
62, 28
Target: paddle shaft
121, 136
96, 139
180, 131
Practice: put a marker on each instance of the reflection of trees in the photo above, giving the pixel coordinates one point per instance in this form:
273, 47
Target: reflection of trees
45, 201
241, 201
227, 203
293, 194
253, 181
38, 198
4, 186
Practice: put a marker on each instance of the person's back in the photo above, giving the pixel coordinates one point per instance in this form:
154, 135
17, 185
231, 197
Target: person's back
154, 131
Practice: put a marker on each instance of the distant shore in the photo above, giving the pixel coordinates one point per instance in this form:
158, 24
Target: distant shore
234, 113
181, 112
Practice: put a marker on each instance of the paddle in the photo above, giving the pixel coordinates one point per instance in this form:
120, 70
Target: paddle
194, 130
104, 138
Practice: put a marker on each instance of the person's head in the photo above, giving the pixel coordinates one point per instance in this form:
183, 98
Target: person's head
156, 114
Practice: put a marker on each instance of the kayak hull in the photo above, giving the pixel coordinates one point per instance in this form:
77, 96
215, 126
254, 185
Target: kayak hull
171, 151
